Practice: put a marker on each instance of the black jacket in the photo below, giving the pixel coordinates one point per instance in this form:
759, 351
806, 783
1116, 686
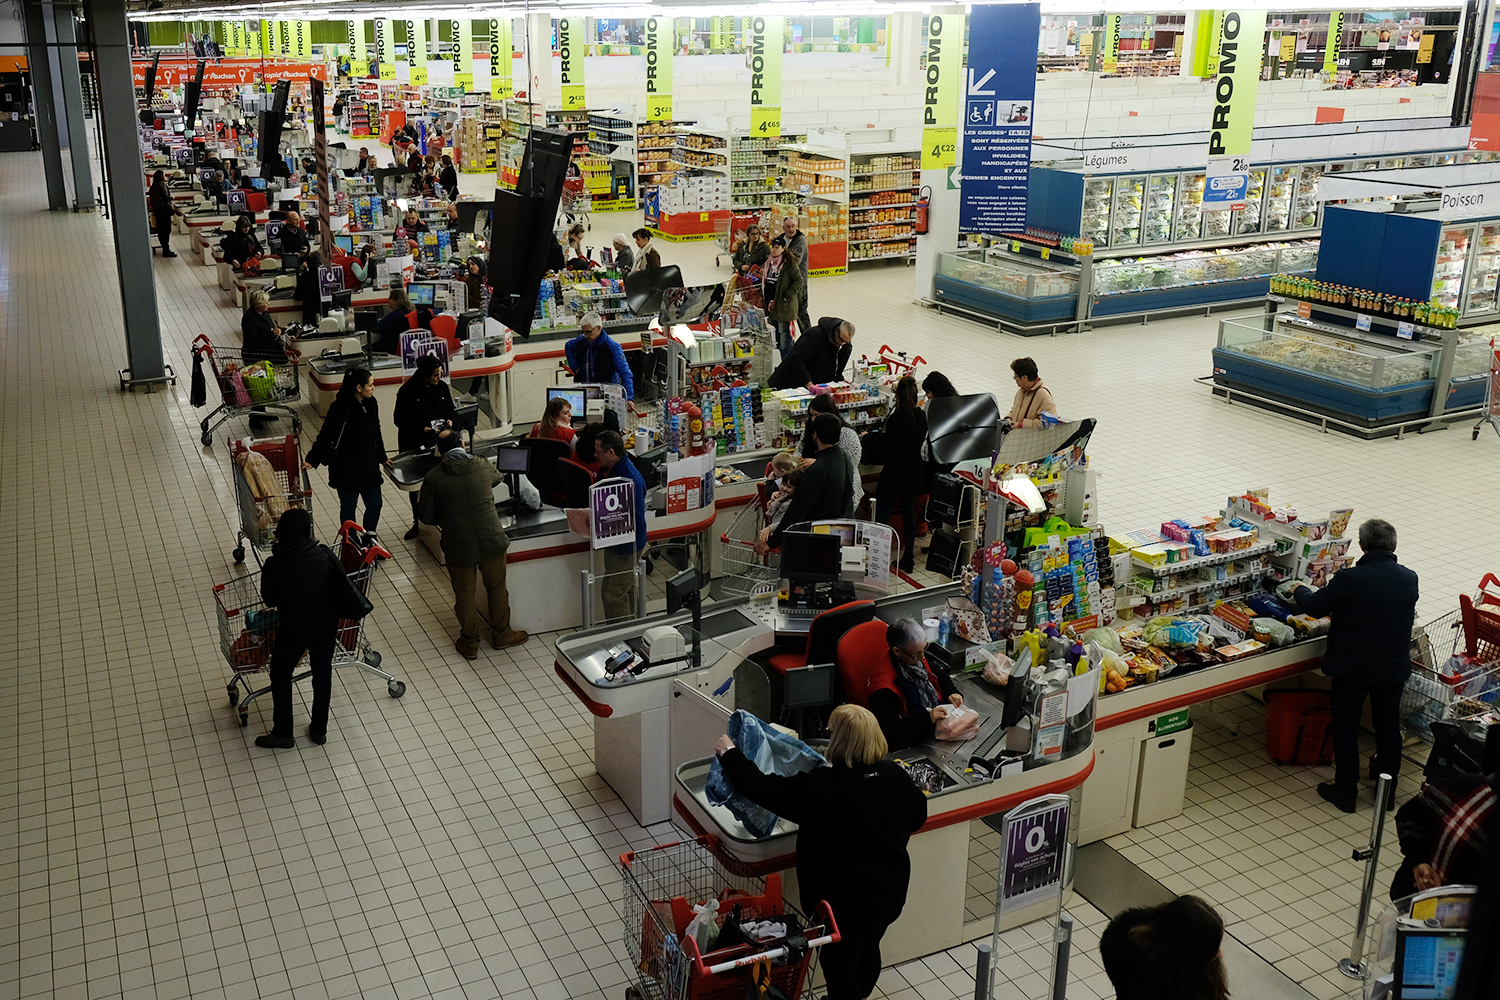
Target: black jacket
239, 247
854, 824
260, 340
295, 582
826, 492
160, 201
1373, 605
448, 178
417, 406
310, 293
900, 726
904, 471
350, 444
815, 358
293, 240
392, 325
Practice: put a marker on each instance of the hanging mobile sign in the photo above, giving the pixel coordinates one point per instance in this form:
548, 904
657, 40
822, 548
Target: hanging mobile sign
1335, 42
945, 39
416, 52
501, 61
570, 57
385, 48
765, 44
659, 48
1235, 86
1111, 43
463, 53
999, 101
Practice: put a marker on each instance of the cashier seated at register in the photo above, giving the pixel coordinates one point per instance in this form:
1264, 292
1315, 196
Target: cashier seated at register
242, 244
905, 695
402, 317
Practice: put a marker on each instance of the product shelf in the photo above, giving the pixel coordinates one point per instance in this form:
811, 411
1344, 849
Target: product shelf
1188, 589
871, 208
1201, 562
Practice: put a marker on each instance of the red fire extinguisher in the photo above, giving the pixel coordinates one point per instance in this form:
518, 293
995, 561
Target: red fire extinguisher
924, 198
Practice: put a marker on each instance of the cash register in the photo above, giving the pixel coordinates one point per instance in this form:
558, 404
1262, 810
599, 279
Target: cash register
810, 565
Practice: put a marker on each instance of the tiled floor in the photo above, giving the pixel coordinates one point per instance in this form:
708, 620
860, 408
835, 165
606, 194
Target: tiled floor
457, 843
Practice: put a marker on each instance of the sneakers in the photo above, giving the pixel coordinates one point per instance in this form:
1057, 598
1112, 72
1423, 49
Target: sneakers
318, 738
270, 741
411, 534
470, 650
168, 253
510, 637
1332, 793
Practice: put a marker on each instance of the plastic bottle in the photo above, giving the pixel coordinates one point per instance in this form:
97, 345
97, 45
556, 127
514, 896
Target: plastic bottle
945, 628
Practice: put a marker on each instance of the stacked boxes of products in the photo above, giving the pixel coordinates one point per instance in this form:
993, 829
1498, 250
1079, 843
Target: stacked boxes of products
695, 194
732, 416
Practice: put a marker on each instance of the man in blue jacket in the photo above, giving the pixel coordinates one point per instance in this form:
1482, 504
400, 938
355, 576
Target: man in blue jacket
1373, 605
619, 590
595, 357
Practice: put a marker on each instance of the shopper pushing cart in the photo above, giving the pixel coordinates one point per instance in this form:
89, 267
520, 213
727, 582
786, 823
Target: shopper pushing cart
268, 481
307, 601
246, 385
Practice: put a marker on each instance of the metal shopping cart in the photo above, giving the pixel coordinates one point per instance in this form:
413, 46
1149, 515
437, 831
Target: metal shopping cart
1491, 394
747, 573
262, 502
723, 236
247, 628
1455, 663
661, 887
576, 204
245, 385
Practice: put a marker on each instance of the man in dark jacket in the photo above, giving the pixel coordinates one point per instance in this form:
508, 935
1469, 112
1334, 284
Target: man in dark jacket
295, 581
294, 236
423, 401
827, 489
818, 356
458, 495
618, 591
796, 252
1373, 605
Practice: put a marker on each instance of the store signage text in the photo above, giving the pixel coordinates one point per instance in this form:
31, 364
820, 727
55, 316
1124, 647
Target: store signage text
659, 45
934, 69
940, 96
757, 60
1469, 202
1224, 88
998, 105
765, 38
572, 65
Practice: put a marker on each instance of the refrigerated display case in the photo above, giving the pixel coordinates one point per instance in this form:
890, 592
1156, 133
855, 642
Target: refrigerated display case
1277, 201
1094, 221
1126, 230
1306, 208
1189, 208
1480, 292
1251, 217
1128, 285
995, 284
1161, 197
1448, 271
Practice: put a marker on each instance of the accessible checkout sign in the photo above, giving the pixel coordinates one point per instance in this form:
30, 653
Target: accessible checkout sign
999, 101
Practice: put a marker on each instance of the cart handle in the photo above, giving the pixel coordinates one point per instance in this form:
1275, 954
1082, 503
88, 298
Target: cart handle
205, 347
767, 956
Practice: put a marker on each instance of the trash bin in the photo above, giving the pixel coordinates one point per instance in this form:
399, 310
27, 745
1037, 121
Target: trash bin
1162, 780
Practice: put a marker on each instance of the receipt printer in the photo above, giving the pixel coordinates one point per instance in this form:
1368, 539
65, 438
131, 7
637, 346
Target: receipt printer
663, 642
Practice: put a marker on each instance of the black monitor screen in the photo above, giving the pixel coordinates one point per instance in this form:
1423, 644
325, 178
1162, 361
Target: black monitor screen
811, 556
342, 300
513, 459
809, 686
682, 591
420, 294
288, 206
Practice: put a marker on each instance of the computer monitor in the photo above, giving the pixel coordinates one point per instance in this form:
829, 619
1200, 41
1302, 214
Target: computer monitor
206, 178
290, 263
471, 324
344, 243
342, 300
577, 398
682, 591
1427, 963
513, 460
812, 557
257, 183
421, 294
808, 687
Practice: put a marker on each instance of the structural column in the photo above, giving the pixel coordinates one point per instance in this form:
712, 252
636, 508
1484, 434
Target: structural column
39, 59
72, 104
127, 190
903, 41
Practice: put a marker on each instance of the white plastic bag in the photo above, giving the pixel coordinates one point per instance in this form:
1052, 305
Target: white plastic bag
704, 927
997, 668
530, 495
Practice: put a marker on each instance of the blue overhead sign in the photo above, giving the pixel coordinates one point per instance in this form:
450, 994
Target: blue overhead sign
999, 105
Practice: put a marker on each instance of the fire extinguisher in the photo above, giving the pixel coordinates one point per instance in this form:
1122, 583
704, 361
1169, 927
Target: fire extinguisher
924, 198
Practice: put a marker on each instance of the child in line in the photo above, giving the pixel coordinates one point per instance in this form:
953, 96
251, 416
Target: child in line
777, 508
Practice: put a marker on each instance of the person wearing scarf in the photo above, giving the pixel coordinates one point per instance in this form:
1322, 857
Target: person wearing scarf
905, 694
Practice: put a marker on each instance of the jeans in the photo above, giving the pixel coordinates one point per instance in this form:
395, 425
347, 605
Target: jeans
784, 337
1348, 696
851, 967
348, 498
290, 645
908, 501
464, 584
618, 589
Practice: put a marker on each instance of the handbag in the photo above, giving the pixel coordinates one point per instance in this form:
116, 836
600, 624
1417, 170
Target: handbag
345, 597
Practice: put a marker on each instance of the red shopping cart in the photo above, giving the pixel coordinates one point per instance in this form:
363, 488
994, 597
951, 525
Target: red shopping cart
245, 384
268, 481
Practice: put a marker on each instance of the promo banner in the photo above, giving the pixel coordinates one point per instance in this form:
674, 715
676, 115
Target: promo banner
385, 47
1111, 61
999, 106
302, 39
463, 53
416, 52
945, 62
357, 60
570, 45
660, 45
1335, 42
284, 38
765, 40
267, 32
1233, 120
501, 61
1205, 42
236, 45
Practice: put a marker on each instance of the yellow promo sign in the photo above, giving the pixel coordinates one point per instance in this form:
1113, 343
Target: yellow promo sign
570, 45
356, 48
1288, 46
385, 48
416, 52
1335, 44
462, 31
501, 61
1111, 61
945, 40
765, 40
302, 41
660, 44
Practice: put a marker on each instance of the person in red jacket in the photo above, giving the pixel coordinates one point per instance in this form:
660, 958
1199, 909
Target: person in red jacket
904, 693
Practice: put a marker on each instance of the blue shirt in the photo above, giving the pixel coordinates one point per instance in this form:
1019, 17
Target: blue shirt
601, 360
624, 469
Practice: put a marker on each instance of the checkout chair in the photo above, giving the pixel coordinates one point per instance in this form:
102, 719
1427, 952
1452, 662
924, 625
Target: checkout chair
823, 642
576, 483
859, 649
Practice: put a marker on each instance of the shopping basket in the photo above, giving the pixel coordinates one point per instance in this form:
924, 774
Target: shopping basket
246, 385
661, 887
247, 627
262, 503
575, 202
747, 573
1455, 668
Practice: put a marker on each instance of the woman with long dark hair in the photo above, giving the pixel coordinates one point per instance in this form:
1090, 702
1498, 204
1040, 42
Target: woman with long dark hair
1167, 952
352, 447
160, 201
295, 581
903, 476
848, 441
556, 422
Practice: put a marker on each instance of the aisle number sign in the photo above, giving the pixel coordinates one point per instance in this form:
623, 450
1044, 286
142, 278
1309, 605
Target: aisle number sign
1233, 118
462, 31
659, 48
1335, 42
385, 48
570, 58
1111, 60
416, 52
501, 62
765, 42
945, 59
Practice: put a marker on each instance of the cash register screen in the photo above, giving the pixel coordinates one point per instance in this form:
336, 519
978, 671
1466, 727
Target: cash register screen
344, 243
513, 459
576, 398
1427, 964
421, 294
810, 556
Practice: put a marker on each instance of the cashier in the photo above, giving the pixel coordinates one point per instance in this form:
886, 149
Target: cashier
905, 694
402, 317
413, 223
294, 235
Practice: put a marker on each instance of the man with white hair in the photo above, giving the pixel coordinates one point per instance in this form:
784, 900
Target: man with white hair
594, 356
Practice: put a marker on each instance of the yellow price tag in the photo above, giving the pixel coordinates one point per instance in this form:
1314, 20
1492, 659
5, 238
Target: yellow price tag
1046, 253
702, 216
1015, 246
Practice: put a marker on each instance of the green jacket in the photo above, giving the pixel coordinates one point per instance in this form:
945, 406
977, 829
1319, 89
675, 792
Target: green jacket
458, 496
789, 291
752, 255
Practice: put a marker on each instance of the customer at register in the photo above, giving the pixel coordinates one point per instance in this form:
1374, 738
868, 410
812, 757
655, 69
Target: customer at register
849, 443
159, 200
619, 586
556, 422
1167, 952
458, 495
423, 404
646, 257
903, 476
1032, 398
903, 691
624, 256
585, 452
412, 222
1373, 605
351, 444
825, 491
262, 342
595, 356
818, 356
855, 818
402, 317
309, 291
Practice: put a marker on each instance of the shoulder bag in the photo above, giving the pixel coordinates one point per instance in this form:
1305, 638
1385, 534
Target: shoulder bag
345, 597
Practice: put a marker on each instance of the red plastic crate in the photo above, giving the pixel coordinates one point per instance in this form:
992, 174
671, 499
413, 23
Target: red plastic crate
1299, 727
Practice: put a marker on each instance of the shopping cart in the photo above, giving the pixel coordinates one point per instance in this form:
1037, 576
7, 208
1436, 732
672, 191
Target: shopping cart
576, 204
1491, 394
661, 887
1455, 663
898, 363
747, 573
247, 627
243, 386
263, 502
746, 289
723, 236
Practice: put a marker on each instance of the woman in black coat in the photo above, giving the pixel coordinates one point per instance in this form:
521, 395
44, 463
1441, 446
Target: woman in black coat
309, 291
352, 447
421, 401
854, 821
448, 178
160, 201
904, 475
242, 244
295, 581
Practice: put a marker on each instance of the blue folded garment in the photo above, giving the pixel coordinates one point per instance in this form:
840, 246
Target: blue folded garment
771, 750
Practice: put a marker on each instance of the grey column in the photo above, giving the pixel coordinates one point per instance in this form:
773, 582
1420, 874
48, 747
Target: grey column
39, 59
127, 188
72, 103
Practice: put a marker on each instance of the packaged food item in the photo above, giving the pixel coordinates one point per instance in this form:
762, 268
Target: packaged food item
1272, 632
1307, 626
1239, 650
1338, 521
1236, 613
